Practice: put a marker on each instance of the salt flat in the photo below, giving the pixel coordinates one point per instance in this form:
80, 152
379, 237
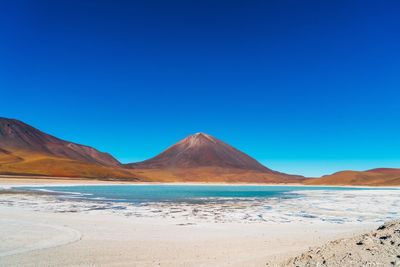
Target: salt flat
112, 240
43, 230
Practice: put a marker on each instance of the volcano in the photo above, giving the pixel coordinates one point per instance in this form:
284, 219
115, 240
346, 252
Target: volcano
201, 157
202, 150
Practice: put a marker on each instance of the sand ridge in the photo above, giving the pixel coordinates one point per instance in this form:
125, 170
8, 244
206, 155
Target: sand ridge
42, 236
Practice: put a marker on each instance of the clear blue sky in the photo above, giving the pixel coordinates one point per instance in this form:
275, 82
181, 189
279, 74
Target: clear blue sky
306, 87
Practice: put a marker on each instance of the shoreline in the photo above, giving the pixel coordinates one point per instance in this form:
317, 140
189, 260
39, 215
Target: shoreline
17, 181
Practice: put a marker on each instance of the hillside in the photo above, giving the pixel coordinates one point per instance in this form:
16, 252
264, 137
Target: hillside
374, 177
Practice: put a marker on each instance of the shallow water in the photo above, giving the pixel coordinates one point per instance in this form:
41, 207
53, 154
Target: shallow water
184, 193
223, 203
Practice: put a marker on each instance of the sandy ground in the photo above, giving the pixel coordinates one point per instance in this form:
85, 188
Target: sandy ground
43, 180
30, 236
380, 247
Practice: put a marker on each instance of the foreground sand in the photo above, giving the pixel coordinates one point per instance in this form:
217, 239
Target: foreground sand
33, 238
380, 247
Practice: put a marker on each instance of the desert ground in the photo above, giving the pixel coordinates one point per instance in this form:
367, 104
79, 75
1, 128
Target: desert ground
34, 232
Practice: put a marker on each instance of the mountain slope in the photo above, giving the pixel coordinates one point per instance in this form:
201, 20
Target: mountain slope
201, 157
374, 177
16, 135
25, 150
30, 164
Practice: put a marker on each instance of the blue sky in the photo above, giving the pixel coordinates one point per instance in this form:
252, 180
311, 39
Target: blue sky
307, 87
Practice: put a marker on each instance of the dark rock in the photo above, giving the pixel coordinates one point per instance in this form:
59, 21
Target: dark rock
381, 227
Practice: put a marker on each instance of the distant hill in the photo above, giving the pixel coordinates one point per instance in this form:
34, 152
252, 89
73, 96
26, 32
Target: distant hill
25, 150
374, 177
201, 157
16, 135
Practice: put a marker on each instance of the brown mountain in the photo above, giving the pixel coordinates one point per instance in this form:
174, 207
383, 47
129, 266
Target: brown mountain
28, 151
201, 157
15, 134
374, 177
